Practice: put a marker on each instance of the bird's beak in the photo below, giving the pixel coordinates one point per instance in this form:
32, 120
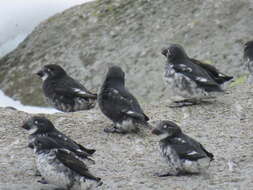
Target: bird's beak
156, 131
165, 52
40, 73
25, 126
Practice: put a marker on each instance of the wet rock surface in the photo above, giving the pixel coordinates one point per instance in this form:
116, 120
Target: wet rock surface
88, 38
129, 162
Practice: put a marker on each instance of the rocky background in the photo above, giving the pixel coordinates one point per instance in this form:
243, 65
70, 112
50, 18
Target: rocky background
86, 39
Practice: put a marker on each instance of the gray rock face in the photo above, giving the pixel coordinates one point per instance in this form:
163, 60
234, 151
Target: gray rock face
88, 38
127, 162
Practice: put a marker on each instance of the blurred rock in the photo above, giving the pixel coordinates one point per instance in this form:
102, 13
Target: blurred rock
88, 38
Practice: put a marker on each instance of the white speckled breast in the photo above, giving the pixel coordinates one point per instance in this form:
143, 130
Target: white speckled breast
128, 125
79, 104
171, 158
55, 172
249, 64
181, 85
176, 164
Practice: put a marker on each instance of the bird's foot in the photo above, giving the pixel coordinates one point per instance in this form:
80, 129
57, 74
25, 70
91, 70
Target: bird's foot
163, 175
190, 102
114, 130
184, 103
181, 173
42, 181
186, 173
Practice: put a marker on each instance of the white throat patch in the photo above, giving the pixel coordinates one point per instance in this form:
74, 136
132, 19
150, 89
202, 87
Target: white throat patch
32, 130
45, 76
163, 136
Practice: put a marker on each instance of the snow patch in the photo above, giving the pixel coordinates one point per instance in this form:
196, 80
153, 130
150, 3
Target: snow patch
6, 101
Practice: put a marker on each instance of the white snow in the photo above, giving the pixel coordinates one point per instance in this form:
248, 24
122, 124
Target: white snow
6, 101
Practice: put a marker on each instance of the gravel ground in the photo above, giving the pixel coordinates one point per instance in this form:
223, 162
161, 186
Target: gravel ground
128, 162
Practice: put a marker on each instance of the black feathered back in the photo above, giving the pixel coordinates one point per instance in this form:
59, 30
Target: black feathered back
213, 72
115, 101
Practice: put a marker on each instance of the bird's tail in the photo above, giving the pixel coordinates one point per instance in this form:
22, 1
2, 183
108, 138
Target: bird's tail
93, 178
90, 185
89, 151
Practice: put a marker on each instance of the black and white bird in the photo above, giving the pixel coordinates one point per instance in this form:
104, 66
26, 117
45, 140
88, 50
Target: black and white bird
60, 166
40, 126
119, 105
63, 92
190, 78
248, 56
183, 154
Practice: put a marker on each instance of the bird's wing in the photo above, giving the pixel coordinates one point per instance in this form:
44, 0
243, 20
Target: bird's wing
124, 102
186, 150
198, 75
195, 146
213, 72
69, 160
67, 86
71, 145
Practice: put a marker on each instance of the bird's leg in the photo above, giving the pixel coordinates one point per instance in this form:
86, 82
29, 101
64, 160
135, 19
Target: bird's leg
42, 181
115, 129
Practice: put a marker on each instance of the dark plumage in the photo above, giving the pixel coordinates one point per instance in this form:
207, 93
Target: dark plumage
190, 78
63, 92
60, 166
40, 126
183, 154
213, 72
248, 55
119, 105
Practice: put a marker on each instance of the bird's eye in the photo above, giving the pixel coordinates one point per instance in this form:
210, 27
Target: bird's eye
36, 122
165, 126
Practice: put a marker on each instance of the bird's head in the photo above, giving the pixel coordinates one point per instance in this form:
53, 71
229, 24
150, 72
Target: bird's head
44, 143
166, 128
174, 52
51, 71
115, 73
248, 50
248, 44
38, 125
